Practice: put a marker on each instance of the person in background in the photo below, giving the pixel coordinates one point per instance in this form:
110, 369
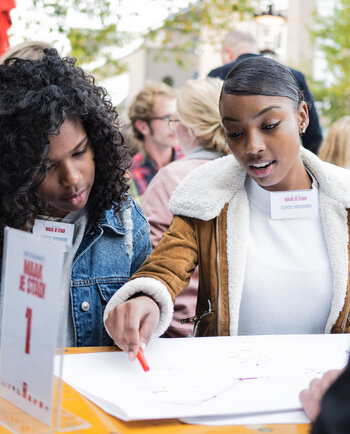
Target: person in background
268, 227
26, 50
335, 148
63, 159
150, 114
327, 402
202, 139
238, 46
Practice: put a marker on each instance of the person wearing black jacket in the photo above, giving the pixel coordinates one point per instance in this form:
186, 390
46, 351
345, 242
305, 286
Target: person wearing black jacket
327, 402
238, 46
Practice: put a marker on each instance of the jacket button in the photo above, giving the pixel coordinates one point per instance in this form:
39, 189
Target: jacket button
85, 305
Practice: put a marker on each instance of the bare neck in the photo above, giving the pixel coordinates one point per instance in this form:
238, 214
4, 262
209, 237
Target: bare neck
160, 155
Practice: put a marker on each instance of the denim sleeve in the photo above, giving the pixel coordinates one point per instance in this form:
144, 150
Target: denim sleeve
141, 238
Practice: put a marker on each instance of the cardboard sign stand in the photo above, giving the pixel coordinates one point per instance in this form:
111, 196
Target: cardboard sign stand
34, 304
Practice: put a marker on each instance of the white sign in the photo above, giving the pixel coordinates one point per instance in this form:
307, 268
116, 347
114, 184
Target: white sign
302, 204
32, 291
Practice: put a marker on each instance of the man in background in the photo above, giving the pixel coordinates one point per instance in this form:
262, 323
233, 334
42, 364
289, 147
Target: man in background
152, 115
238, 46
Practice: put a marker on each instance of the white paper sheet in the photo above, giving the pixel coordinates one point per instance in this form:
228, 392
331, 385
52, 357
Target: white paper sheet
282, 417
219, 376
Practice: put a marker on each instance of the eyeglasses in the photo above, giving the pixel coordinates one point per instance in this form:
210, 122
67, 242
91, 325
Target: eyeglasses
169, 119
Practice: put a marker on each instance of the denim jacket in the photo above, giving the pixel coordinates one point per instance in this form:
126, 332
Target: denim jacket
111, 251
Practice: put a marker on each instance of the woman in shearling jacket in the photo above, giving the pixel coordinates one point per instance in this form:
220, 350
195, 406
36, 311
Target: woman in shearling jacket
268, 228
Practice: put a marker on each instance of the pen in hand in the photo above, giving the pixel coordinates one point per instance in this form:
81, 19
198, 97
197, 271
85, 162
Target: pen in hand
141, 358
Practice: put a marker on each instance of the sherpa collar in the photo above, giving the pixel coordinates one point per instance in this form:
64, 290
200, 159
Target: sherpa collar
205, 191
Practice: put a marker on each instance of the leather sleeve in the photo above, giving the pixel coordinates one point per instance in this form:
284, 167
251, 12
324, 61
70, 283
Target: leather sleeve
175, 257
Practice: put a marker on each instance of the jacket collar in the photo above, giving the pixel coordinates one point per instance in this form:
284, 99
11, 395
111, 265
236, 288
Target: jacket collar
117, 222
205, 191
246, 56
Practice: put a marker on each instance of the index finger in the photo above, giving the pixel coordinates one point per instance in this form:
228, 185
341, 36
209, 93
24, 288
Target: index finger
121, 328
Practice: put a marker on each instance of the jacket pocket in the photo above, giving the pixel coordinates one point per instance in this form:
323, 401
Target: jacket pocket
109, 286
89, 299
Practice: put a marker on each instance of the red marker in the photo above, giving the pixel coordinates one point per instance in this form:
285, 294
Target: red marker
141, 358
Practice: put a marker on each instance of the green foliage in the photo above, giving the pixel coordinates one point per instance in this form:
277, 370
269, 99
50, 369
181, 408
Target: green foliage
333, 38
91, 8
178, 36
216, 16
89, 44
219, 13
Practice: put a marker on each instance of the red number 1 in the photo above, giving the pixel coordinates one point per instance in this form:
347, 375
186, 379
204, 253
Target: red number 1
29, 327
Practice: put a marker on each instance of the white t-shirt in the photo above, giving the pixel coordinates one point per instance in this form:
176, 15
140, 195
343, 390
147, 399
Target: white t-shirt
79, 219
288, 280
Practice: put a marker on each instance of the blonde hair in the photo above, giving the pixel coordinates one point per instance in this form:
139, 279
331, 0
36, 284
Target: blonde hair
142, 106
33, 50
197, 105
336, 146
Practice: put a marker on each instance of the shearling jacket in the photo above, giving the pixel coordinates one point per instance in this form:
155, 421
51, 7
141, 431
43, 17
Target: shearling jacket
211, 227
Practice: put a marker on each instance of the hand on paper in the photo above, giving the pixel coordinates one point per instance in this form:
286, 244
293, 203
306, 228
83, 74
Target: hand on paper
132, 323
311, 398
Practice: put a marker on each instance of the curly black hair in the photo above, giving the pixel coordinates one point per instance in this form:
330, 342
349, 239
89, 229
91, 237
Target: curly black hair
36, 97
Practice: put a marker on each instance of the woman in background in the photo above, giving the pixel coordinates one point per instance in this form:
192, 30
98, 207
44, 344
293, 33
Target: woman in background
33, 50
202, 139
335, 148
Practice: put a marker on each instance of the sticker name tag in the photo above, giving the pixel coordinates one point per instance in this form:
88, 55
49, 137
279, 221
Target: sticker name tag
298, 204
53, 230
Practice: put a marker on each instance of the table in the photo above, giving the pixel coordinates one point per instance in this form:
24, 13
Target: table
101, 422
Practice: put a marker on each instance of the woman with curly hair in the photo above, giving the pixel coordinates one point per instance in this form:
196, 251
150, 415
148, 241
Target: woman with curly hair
63, 158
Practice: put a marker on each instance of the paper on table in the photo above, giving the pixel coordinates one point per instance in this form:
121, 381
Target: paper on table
206, 376
280, 417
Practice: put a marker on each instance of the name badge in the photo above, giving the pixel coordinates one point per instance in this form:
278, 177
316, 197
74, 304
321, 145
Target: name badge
299, 204
54, 230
